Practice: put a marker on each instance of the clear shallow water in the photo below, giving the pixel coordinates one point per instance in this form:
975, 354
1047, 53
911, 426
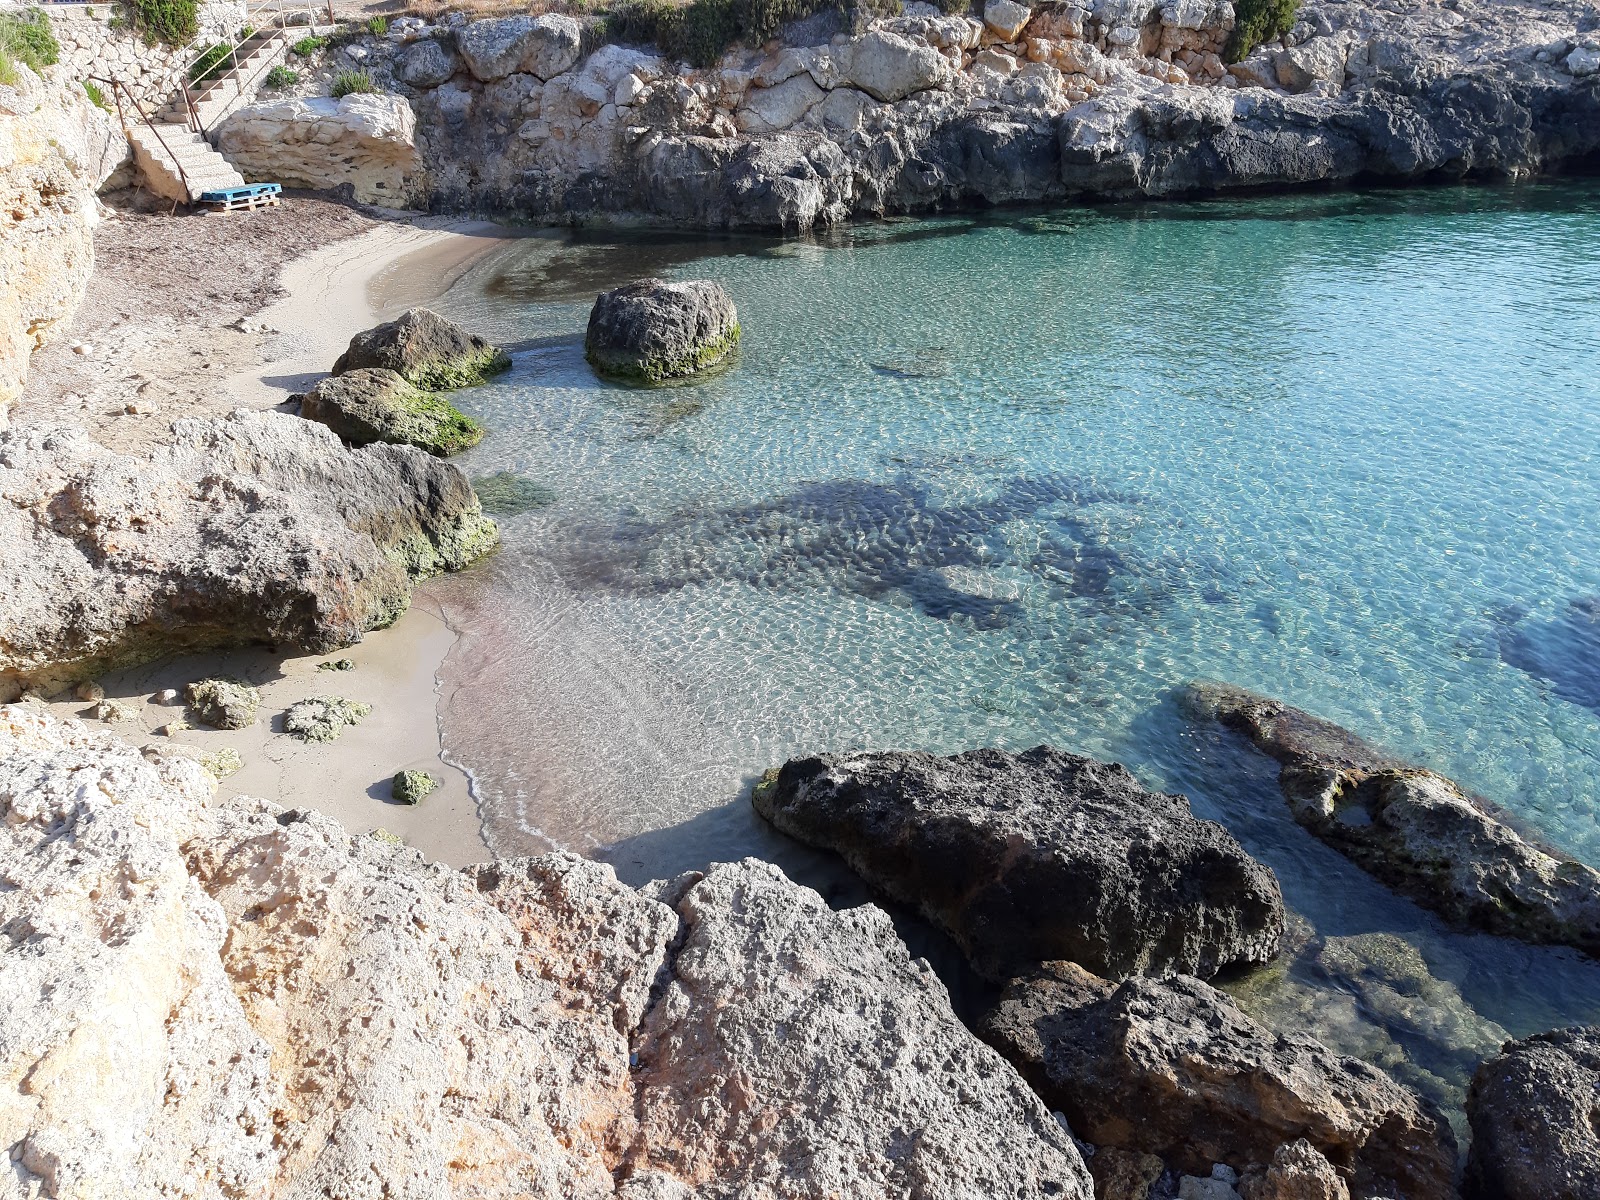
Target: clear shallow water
1012, 481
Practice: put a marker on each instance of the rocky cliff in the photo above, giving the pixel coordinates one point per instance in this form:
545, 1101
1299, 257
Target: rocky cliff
1103, 98
56, 149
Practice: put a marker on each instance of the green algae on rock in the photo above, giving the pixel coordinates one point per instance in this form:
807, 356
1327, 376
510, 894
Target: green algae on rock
337, 664
374, 404
505, 493
223, 702
222, 763
427, 350
409, 787
651, 331
323, 718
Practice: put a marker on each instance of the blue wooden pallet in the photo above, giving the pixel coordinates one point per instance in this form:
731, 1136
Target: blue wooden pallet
251, 195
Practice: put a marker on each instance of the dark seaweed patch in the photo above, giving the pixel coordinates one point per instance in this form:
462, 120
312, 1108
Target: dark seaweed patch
1563, 651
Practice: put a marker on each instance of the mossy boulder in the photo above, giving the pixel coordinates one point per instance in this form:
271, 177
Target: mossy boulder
323, 718
651, 331
375, 404
409, 787
223, 703
427, 350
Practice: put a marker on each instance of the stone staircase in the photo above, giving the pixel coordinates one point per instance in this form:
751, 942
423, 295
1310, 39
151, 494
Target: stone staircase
171, 148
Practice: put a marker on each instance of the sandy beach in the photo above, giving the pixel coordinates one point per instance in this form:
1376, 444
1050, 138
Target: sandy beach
322, 299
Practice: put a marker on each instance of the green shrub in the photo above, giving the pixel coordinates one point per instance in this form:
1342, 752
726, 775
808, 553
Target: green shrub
377, 26
347, 83
175, 22
307, 46
281, 77
96, 96
699, 32
26, 37
1257, 21
210, 64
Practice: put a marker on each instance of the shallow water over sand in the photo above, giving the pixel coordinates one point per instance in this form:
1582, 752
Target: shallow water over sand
1012, 481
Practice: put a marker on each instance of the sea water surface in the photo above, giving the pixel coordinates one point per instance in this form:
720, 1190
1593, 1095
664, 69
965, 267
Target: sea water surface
1014, 479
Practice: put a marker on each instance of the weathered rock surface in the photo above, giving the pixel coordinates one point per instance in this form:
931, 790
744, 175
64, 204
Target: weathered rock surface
372, 404
426, 349
652, 330
1535, 1133
323, 718
1416, 831
238, 1000
1174, 1068
259, 527
543, 46
363, 143
1296, 1172
56, 149
223, 703
1024, 858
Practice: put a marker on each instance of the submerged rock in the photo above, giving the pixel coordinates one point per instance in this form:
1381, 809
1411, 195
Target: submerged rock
527, 1027
1174, 1068
1416, 831
652, 330
505, 493
323, 718
1535, 1135
223, 703
372, 404
409, 787
1044, 855
427, 350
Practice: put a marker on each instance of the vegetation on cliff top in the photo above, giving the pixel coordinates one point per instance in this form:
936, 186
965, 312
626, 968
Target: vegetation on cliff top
26, 37
175, 22
699, 32
1257, 21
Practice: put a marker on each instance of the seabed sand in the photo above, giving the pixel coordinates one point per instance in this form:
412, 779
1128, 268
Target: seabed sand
334, 293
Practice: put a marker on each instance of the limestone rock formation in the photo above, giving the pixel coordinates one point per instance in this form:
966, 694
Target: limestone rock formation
542, 46
1416, 831
56, 149
1296, 1172
427, 350
365, 143
1024, 858
372, 404
1532, 1112
323, 718
1174, 1068
651, 330
223, 703
259, 527
232, 999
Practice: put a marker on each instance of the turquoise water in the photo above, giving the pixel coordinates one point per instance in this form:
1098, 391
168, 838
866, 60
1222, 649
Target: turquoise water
1013, 480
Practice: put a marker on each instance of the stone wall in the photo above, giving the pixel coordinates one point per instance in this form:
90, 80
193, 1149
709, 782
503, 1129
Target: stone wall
97, 40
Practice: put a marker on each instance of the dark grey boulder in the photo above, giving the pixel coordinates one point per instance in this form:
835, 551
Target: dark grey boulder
1024, 858
1418, 832
1174, 1068
1535, 1117
426, 63
372, 404
651, 330
428, 350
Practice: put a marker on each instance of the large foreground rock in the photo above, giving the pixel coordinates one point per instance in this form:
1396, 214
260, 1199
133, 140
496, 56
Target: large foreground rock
259, 527
426, 349
235, 1000
1416, 831
363, 144
652, 330
371, 404
1024, 858
1175, 1069
1533, 1112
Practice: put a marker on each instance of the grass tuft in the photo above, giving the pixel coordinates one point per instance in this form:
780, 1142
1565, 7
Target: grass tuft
351, 83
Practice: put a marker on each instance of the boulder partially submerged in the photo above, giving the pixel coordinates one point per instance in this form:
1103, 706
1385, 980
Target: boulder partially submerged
1416, 831
1535, 1134
427, 350
650, 331
258, 527
1024, 858
374, 404
1175, 1069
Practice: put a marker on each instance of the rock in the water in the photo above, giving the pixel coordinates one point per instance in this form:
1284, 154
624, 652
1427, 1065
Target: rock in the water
1296, 1172
427, 350
652, 330
1024, 858
1174, 1068
323, 718
223, 703
1533, 1112
373, 404
258, 527
506, 493
409, 787
1416, 831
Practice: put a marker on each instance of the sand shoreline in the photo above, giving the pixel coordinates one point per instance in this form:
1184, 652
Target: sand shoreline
331, 293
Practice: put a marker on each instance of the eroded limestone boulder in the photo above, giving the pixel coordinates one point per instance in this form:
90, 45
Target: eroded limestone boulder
1532, 1112
1416, 831
372, 404
889, 67
1174, 1068
427, 350
652, 330
1044, 855
544, 46
259, 527
365, 143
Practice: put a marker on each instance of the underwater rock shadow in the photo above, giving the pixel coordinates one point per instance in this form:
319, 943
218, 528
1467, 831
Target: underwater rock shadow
1564, 651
